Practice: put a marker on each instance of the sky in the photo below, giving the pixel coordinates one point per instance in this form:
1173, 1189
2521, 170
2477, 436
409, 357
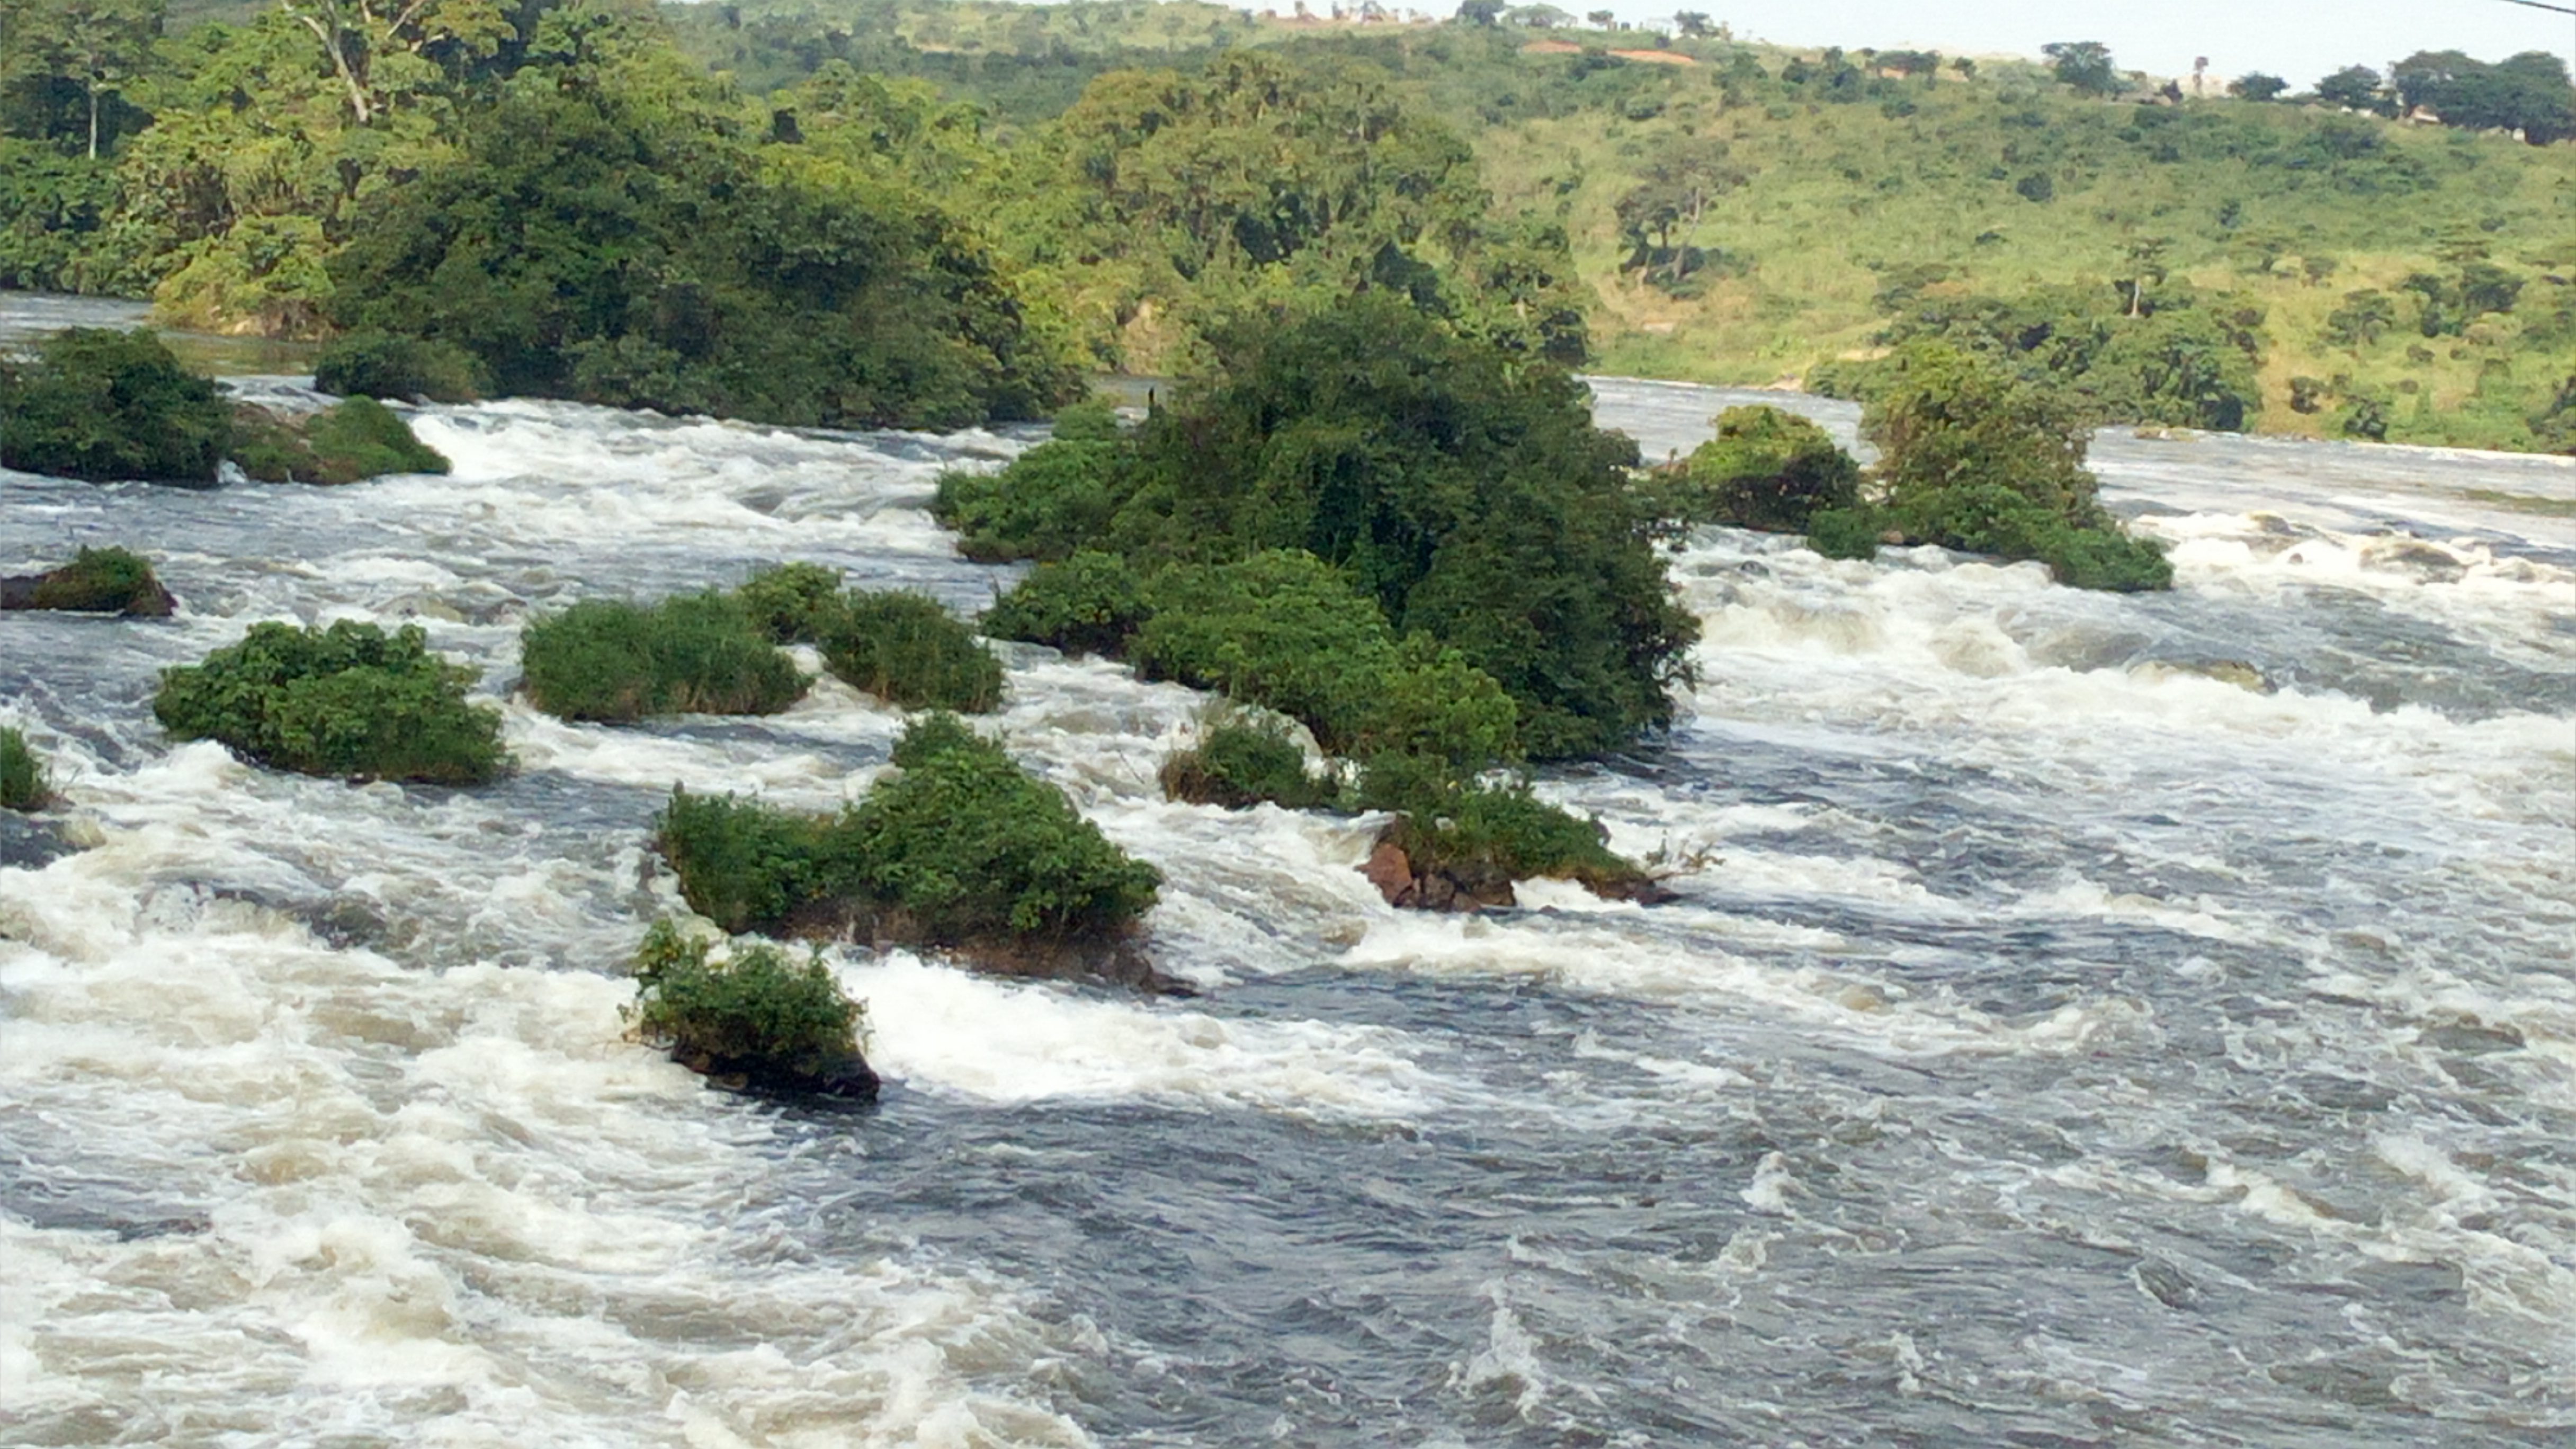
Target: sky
2298, 40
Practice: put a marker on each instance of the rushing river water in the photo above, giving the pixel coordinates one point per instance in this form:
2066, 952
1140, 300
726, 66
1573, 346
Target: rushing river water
2085, 1020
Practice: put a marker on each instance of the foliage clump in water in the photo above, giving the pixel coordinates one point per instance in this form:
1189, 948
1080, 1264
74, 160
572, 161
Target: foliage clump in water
961, 847
96, 581
908, 650
1766, 469
1238, 762
614, 661
349, 700
351, 440
1088, 603
1972, 457
1461, 492
756, 1013
23, 781
100, 404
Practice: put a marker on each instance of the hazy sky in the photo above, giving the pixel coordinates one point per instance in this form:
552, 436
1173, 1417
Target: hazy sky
2297, 39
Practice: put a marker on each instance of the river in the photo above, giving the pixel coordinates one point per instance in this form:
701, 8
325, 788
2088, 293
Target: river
2085, 1019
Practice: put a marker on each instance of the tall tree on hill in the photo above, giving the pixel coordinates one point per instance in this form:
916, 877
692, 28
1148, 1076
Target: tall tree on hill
2083, 64
2356, 88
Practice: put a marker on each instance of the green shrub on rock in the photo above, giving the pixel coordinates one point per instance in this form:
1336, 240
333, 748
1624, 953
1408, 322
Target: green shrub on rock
1088, 603
96, 581
1478, 838
1844, 532
1281, 629
966, 846
961, 848
756, 1014
694, 654
1051, 500
23, 785
102, 405
349, 441
1239, 763
1972, 457
1765, 469
908, 650
378, 365
348, 701
792, 603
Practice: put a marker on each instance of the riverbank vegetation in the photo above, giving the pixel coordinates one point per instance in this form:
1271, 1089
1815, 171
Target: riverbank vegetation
348, 700
981, 198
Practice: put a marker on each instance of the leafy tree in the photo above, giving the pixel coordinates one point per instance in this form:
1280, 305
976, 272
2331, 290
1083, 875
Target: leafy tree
382, 49
1765, 469
1486, 13
2257, 86
100, 46
1692, 23
588, 244
2084, 65
1601, 19
2356, 88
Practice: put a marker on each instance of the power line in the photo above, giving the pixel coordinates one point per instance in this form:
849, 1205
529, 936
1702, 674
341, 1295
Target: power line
2542, 5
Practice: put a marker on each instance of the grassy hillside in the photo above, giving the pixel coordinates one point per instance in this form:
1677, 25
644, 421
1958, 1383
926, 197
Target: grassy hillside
1831, 193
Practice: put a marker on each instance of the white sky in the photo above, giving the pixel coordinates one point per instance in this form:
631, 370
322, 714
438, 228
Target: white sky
2299, 40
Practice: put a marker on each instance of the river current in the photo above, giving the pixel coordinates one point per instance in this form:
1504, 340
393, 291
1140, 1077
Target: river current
2085, 1019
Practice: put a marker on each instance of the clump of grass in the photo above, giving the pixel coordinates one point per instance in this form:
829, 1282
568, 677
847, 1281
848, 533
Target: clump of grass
907, 650
755, 1013
24, 784
1239, 761
693, 654
348, 701
96, 581
962, 848
1086, 604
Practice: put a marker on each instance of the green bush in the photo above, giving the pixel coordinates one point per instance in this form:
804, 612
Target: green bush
380, 365
1051, 500
96, 581
693, 654
747, 867
23, 785
908, 650
1481, 834
1281, 629
1239, 763
1844, 532
757, 1013
792, 603
1088, 603
961, 848
2102, 558
102, 404
348, 700
351, 440
1765, 469
1973, 457
966, 846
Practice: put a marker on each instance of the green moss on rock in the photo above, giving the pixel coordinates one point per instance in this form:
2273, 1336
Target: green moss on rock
347, 442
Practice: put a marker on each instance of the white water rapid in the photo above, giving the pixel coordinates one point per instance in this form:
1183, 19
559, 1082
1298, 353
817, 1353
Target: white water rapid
2086, 1019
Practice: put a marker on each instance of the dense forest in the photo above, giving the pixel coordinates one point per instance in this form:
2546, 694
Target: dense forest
596, 198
